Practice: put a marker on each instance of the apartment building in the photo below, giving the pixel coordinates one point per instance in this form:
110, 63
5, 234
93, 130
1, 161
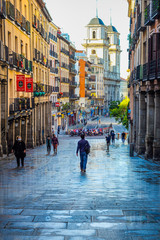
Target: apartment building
144, 64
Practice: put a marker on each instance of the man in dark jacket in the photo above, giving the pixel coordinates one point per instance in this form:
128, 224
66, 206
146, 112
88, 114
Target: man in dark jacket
55, 143
83, 145
19, 149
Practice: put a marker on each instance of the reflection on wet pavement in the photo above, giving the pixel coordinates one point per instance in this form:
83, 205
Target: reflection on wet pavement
117, 198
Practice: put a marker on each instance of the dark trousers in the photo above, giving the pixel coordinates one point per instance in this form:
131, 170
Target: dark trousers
18, 161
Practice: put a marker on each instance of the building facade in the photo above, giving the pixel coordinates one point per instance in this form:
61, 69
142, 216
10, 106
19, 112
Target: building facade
144, 64
102, 47
54, 65
3, 81
25, 82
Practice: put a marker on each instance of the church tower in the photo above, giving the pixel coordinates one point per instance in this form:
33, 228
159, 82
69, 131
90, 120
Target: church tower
102, 46
96, 43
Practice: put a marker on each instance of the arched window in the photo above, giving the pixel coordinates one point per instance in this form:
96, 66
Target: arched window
94, 34
93, 52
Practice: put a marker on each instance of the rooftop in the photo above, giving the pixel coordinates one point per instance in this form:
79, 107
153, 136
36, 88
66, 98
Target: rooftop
96, 21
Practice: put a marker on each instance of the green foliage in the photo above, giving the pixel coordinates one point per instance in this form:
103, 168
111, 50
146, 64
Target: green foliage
66, 106
114, 104
120, 112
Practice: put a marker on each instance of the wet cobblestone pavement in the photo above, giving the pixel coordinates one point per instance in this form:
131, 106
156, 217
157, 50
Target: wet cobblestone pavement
118, 198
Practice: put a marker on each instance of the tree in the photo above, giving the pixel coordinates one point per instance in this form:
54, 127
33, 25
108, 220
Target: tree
66, 106
114, 104
120, 112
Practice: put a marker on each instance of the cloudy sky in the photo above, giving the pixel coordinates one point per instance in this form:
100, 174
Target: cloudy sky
73, 15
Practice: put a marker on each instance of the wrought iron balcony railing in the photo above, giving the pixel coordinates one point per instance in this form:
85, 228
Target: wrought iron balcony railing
10, 10
158, 68
19, 104
55, 89
18, 17
155, 8
3, 9
64, 80
28, 27
145, 72
73, 84
63, 50
152, 70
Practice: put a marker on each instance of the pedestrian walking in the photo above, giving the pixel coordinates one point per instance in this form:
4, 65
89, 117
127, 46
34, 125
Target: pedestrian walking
84, 148
48, 144
113, 136
123, 137
19, 150
55, 144
108, 140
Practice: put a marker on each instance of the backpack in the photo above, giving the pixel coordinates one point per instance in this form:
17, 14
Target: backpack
87, 148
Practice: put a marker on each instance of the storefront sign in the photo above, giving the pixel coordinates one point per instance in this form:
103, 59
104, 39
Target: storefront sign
29, 84
20, 79
57, 104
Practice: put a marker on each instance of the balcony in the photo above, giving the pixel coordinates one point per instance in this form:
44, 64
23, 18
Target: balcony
28, 27
54, 70
152, 69
4, 53
140, 23
3, 9
145, 72
73, 96
64, 80
18, 18
155, 9
147, 15
92, 79
73, 84
23, 23
64, 65
65, 95
42, 31
38, 28
19, 104
56, 89
158, 68
72, 56
63, 50
10, 10
73, 70
34, 22
139, 73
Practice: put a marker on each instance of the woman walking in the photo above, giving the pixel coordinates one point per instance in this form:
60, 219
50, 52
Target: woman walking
19, 149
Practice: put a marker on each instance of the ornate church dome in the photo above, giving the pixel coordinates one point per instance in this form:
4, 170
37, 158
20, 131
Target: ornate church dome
111, 28
96, 21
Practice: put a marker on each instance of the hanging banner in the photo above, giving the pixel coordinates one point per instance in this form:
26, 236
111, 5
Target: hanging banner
29, 84
20, 83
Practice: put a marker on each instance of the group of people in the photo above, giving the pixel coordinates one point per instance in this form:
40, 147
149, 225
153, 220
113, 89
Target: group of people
111, 138
19, 148
83, 147
52, 141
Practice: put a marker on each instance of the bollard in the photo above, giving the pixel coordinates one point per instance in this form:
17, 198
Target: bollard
131, 149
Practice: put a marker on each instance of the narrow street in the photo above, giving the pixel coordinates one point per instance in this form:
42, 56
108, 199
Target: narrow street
117, 198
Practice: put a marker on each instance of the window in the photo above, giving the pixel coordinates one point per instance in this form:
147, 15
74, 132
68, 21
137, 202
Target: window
93, 51
9, 40
16, 44
94, 34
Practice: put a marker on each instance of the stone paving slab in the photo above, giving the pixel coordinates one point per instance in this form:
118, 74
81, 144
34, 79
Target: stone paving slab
33, 212
117, 199
35, 225
62, 218
66, 232
16, 218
